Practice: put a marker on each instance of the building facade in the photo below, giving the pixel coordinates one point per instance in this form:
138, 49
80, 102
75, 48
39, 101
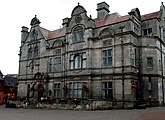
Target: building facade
112, 57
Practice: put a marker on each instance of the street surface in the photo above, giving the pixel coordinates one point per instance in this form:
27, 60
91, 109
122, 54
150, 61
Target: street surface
41, 114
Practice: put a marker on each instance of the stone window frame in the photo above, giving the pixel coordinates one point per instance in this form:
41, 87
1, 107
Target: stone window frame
149, 62
147, 32
78, 34
36, 51
107, 90
107, 57
57, 90
30, 52
58, 63
78, 61
75, 90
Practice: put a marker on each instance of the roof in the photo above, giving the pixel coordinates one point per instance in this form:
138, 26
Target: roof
112, 19
151, 15
11, 80
52, 34
109, 19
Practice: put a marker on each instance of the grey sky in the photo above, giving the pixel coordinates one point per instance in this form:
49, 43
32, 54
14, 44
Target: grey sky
18, 13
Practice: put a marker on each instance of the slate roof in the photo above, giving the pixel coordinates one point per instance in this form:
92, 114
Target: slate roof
10, 80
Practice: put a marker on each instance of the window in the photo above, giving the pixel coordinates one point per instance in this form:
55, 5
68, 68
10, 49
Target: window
36, 51
58, 51
78, 34
147, 32
57, 90
149, 62
33, 51
160, 65
107, 57
57, 64
84, 60
71, 61
136, 59
50, 65
78, 61
75, 90
107, 91
164, 35
30, 52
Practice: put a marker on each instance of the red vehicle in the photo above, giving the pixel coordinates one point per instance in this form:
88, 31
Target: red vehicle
1, 92
10, 92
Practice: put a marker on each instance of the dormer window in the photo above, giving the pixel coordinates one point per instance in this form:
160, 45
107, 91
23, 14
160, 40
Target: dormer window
147, 32
78, 34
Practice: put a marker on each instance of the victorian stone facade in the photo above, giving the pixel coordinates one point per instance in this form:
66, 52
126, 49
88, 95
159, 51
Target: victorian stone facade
112, 57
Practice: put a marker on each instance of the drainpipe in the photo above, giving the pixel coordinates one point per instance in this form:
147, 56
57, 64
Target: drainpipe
122, 63
161, 52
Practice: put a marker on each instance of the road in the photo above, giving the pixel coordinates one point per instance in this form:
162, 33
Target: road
41, 114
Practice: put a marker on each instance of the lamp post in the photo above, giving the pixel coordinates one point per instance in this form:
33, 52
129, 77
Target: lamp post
122, 65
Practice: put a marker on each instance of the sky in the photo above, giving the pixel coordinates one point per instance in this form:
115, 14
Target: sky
17, 13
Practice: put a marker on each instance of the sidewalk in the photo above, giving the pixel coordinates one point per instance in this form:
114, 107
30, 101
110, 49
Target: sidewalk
152, 116
2, 106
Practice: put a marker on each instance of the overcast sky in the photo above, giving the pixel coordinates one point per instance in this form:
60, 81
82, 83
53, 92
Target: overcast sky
17, 13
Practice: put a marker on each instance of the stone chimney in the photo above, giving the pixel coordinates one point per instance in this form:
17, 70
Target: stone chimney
65, 22
24, 34
102, 10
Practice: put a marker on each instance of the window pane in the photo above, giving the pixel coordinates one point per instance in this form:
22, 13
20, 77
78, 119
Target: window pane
107, 91
150, 31
84, 63
107, 57
109, 60
57, 63
71, 61
104, 53
71, 57
145, 31
109, 52
76, 62
71, 64
104, 61
78, 85
149, 62
79, 94
74, 85
75, 93
78, 34
84, 55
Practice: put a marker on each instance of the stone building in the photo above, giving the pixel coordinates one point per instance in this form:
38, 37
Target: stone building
112, 57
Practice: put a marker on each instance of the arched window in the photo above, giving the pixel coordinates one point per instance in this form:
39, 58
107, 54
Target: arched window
78, 61
78, 34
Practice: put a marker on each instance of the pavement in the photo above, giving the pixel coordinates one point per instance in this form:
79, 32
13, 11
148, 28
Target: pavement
155, 113
152, 116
